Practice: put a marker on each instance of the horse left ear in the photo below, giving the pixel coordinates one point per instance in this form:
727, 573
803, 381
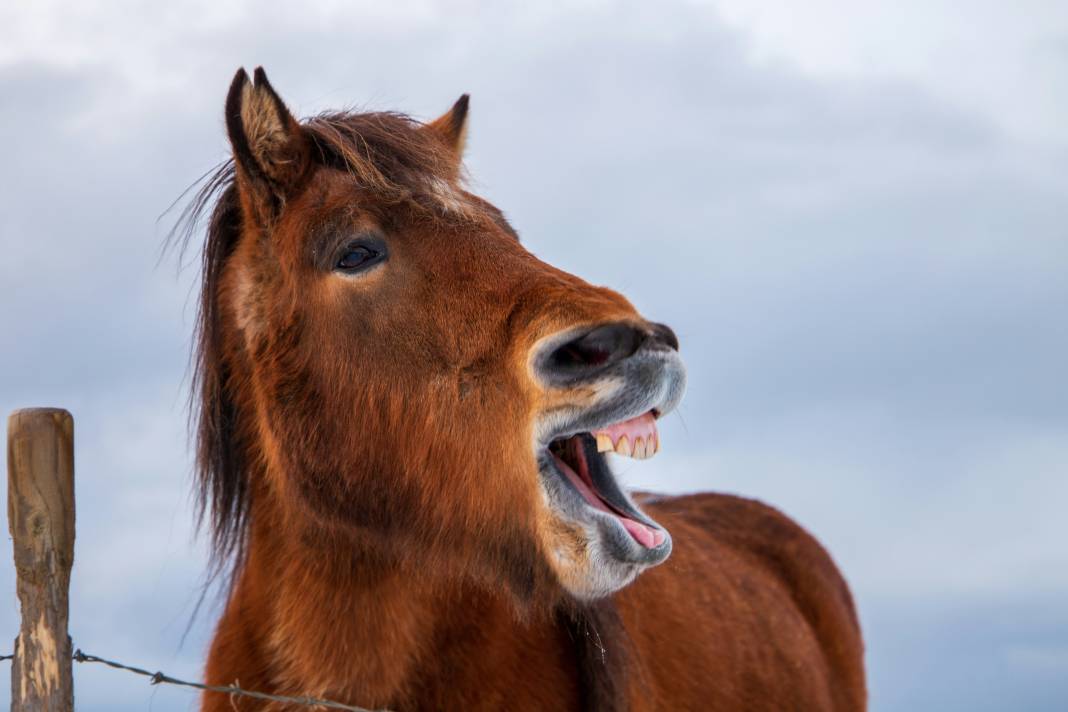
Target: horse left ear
451, 127
271, 150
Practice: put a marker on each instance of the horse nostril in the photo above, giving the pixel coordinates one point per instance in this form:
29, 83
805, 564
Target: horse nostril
662, 333
603, 346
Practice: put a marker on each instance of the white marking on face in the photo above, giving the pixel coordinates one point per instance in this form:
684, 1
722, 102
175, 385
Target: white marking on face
550, 424
605, 388
245, 306
447, 196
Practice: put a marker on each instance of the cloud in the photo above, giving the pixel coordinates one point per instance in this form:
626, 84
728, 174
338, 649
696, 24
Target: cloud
1008, 66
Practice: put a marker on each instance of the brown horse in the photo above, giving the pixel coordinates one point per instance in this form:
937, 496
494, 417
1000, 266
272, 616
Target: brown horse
403, 424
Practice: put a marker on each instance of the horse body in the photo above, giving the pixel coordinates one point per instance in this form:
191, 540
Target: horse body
749, 613
403, 421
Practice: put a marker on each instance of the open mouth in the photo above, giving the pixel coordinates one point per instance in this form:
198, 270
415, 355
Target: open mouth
581, 460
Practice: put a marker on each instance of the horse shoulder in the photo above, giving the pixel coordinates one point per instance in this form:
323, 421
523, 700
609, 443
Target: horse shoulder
750, 612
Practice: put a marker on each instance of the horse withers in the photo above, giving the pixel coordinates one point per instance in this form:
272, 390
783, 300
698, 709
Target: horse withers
404, 426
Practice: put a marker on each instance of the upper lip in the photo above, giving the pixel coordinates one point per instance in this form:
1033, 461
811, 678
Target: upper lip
577, 424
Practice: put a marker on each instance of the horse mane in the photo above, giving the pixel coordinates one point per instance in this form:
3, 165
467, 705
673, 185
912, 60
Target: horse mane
390, 156
602, 648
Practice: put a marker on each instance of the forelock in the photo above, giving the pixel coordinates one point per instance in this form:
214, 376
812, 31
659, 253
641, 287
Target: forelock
390, 155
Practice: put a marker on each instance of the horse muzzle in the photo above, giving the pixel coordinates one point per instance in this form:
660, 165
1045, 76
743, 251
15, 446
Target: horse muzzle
608, 385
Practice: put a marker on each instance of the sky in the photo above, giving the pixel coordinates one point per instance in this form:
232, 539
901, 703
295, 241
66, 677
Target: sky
855, 216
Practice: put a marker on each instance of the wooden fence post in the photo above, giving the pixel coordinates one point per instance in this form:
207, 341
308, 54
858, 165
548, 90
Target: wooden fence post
40, 515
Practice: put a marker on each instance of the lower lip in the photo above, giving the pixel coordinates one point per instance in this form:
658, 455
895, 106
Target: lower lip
647, 536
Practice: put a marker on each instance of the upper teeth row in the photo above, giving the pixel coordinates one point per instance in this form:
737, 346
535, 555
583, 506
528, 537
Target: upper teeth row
640, 449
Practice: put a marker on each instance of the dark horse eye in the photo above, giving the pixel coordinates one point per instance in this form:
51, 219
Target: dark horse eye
357, 257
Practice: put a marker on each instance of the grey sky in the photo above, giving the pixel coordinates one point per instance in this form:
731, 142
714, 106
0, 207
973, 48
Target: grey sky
854, 216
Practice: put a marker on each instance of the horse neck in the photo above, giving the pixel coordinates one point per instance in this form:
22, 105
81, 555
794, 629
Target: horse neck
326, 615
335, 618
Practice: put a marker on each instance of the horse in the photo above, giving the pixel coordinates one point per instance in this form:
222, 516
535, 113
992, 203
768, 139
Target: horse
403, 424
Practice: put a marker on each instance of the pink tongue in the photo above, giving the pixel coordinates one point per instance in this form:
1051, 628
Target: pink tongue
644, 535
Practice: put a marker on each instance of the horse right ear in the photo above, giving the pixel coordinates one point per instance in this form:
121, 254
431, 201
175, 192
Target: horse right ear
271, 150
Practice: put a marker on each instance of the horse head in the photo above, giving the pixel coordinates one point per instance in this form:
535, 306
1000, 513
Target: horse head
383, 365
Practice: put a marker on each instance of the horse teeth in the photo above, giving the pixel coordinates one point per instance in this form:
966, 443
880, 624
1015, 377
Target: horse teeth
640, 444
604, 442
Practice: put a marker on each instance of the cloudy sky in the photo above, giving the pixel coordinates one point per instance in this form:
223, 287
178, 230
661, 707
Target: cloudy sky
855, 215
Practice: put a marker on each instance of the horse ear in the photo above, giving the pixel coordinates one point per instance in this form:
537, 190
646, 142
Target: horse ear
451, 127
271, 150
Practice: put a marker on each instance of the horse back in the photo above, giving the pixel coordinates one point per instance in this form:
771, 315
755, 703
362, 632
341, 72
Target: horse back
749, 613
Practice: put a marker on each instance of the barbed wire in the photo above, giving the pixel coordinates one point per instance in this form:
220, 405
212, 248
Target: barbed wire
157, 678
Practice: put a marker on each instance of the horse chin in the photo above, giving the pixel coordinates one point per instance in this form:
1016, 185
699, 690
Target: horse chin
602, 540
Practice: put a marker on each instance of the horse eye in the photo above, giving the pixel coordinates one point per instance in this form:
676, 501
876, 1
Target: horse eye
356, 257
